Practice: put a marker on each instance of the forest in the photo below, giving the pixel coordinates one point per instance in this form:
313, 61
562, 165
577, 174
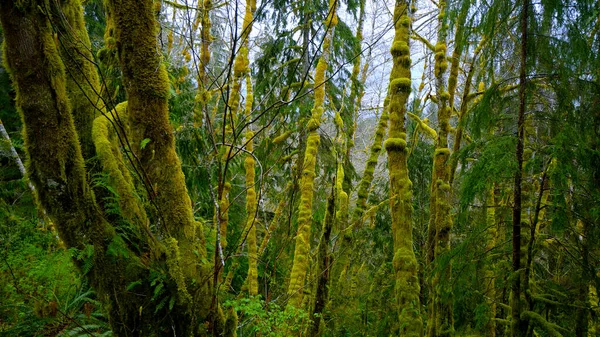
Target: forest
300, 168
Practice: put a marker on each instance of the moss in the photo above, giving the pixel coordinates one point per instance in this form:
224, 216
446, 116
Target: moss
282, 137
395, 144
405, 21
251, 202
442, 152
83, 87
300, 262
400, 48
147, 86
224, 213
175, 270
332, 19
400, 85
404, 262
440, 48
314, 123
109, 155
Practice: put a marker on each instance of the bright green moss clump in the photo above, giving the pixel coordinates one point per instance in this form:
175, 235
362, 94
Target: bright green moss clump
395, 144
400, 85
400, 48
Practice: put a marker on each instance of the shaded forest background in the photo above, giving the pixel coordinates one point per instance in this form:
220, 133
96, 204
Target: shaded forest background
293, 168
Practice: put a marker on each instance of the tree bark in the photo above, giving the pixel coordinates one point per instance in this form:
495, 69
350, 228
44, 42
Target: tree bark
519, 326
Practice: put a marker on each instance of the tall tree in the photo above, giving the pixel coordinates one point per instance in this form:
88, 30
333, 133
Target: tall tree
405, 262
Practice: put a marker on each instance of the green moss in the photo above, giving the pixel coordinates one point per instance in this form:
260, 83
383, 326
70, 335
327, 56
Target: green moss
400, 48
175, 270
109, 154
442, 152
147, 85
405, 21
300, 262
282, 137
395, 144
400, 85
404, 262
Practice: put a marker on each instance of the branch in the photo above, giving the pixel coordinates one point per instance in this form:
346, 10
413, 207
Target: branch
423, 125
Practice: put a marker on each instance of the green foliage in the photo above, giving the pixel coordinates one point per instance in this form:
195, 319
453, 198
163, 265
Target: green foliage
42, 291
268, 319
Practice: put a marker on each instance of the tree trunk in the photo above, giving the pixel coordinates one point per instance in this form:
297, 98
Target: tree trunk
300, 263
404, 261
518, 326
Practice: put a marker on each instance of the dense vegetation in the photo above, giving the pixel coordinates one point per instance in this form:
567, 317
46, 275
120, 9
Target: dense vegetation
293, 168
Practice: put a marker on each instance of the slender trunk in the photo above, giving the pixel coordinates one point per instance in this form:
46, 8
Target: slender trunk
251, 201
518, 326
489, 271
404, 261
203, 95
323, 271
441, 321
83, 86
300, 263
14, 154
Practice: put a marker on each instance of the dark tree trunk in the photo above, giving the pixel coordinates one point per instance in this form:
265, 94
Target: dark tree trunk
519, 327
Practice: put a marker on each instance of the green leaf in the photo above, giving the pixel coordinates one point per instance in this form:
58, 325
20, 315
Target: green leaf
144, 142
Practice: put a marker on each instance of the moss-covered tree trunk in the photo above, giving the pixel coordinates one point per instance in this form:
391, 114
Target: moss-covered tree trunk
404, 261
147, 86
440, 316
301, 258
56, 165
83, 86
123, 260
